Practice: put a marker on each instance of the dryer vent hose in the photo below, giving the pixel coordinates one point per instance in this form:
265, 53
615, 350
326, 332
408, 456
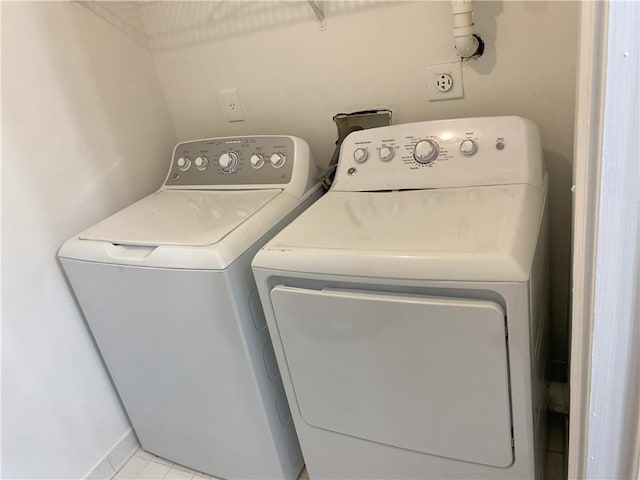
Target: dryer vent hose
331, 170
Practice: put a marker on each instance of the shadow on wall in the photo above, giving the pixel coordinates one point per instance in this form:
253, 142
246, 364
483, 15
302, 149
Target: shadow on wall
560, 200
486, 26
100, 108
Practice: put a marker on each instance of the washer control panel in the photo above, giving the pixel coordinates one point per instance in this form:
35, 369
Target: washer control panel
441, 154
257, 160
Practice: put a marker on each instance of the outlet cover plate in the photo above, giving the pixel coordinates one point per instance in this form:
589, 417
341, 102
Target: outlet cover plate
232, 107
434, 71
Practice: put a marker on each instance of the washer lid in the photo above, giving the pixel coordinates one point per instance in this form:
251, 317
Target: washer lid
180, 217
471, 233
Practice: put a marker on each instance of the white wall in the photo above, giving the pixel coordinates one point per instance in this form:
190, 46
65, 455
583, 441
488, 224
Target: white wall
293, 78
85, 131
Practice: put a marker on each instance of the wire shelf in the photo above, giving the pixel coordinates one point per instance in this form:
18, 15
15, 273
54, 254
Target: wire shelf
163, 25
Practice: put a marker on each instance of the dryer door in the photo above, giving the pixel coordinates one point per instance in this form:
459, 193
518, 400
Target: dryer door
427, 374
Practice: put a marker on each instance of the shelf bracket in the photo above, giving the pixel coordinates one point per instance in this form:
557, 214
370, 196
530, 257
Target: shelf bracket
319, 14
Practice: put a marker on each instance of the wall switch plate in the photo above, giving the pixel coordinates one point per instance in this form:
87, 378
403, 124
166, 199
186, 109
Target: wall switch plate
232, 106
444, 81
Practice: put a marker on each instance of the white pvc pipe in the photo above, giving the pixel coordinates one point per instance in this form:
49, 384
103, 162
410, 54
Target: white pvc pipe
466, 44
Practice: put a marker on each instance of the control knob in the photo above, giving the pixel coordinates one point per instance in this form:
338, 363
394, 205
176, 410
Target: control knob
201, 162
229, 162
468, 147
360, 155
277, 160
386, 153
425, 151
184, 163
257, 160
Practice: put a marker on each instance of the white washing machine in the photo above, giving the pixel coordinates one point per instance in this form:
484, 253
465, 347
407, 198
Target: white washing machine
166, 288
407, 305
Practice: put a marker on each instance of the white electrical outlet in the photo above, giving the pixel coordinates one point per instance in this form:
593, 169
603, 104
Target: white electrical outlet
444, 81
232, 107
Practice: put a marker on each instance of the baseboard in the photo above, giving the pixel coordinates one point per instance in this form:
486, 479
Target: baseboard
115, 458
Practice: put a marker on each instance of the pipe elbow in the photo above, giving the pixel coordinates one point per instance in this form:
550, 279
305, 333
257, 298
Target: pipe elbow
467, 44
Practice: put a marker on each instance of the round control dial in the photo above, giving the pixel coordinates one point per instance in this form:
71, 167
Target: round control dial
425, 151
257, 160
360, 155
184, 163
386, 153
277, 160
229, 161
201, 163
468, 147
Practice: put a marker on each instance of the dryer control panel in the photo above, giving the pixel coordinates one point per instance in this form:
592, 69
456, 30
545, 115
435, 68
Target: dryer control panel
260, 161
441, 154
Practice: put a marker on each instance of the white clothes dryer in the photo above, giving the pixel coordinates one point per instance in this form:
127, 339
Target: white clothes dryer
166, 288
407, 306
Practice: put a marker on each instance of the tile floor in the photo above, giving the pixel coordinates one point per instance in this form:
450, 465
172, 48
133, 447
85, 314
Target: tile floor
146, 466
556, 463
